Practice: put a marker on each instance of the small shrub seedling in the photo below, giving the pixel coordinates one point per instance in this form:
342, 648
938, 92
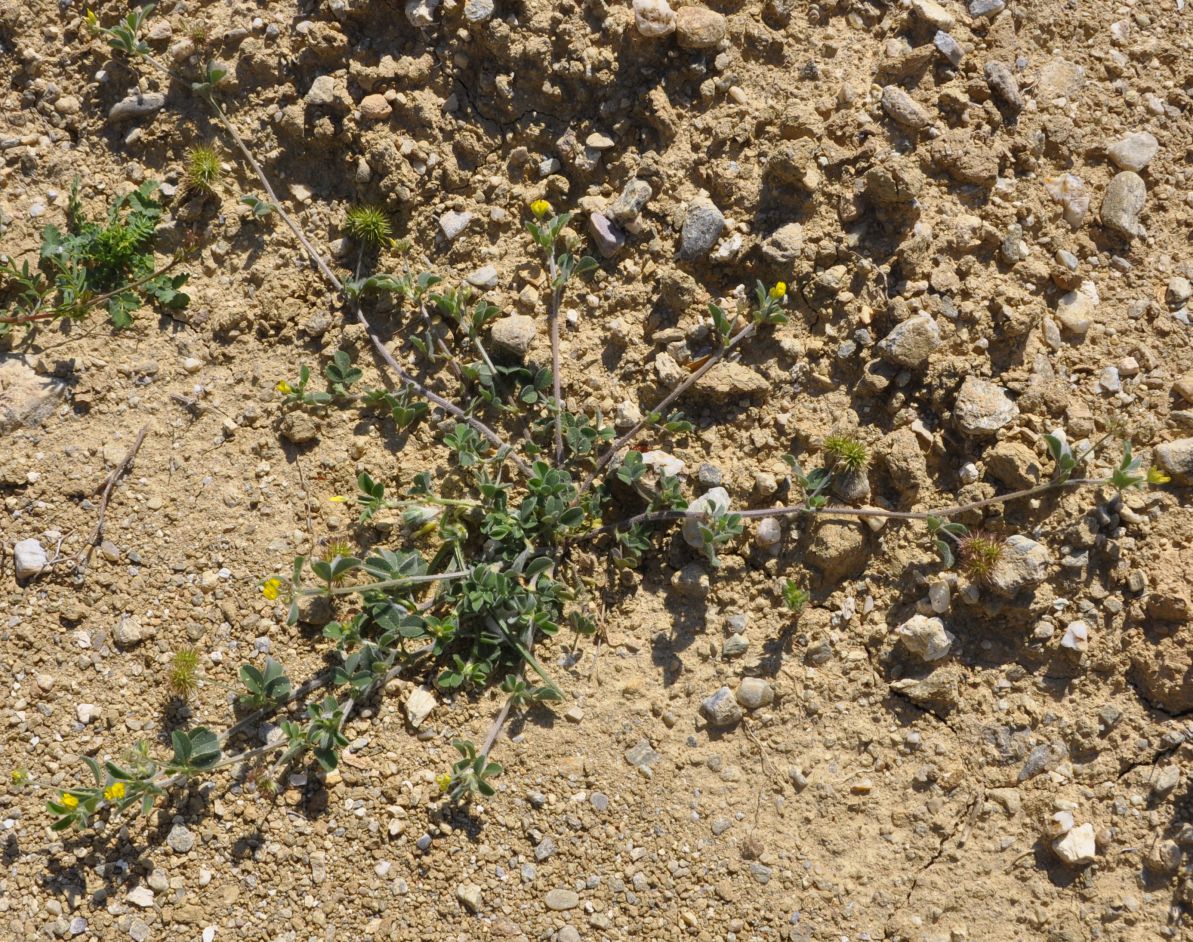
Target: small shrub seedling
93, 262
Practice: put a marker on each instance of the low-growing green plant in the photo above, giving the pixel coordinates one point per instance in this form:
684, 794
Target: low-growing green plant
978, 554
266, 687
491, 558
295, 394
471, 775
261, 208
341, 374
795, 598
109, 261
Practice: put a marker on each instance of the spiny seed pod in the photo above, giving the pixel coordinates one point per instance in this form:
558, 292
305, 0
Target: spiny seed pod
203, 169
848, 454
182, 680
978, 553
368, 225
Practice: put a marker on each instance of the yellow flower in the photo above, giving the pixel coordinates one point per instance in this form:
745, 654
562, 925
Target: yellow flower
1156, 476
272, 588
69, 800
778, 291
338, 499
540, 208
444, 781
284, 388
114, 792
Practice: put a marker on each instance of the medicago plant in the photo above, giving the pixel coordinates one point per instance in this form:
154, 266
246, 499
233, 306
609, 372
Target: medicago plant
497, 553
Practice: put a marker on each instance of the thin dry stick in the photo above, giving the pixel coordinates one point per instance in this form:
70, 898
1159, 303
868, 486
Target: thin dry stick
556, 379
446, 405
496, 727
306, 493
661, 516
97, 535
713, 359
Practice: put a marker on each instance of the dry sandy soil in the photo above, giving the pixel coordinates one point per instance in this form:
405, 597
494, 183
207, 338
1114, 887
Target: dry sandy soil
893, 164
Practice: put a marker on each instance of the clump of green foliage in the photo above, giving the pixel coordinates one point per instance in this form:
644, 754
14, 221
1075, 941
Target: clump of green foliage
106, 261
795, 598
203, 170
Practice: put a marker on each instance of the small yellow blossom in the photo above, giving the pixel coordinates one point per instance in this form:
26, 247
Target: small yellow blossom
114, 792
444, 781
338, 499
69, 800
1156, 476
272, 588
778, 291
91, 19
284, 388
540, 208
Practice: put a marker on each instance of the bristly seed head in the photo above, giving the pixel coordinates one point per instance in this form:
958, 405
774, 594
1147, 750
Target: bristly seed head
181, 680
203, 169
368, 225
846, 453
977, 555
336, 549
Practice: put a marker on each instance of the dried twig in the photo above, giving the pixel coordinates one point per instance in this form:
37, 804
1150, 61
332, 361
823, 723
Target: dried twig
712, 360
97, 535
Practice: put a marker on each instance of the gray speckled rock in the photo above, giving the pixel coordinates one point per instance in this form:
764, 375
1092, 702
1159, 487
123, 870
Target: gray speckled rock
137, 106
1133, 152
1125, 197
1024, 563
702, 227
1003, 85
925, 637
479, 11
982, 408
986, 8
1176, 458
903, 109
721, 709
911, 342
514, 334
631, 201
560, 899
754, 693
